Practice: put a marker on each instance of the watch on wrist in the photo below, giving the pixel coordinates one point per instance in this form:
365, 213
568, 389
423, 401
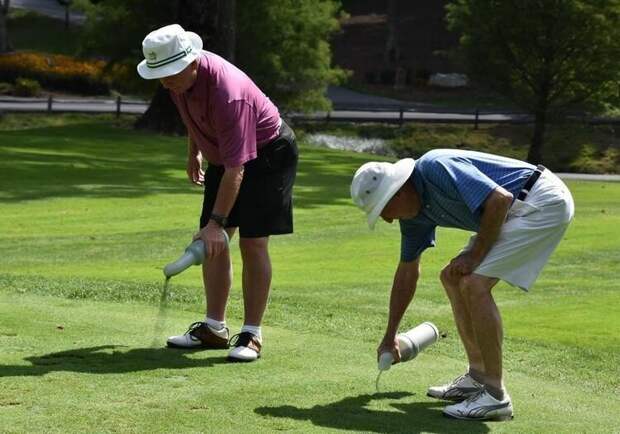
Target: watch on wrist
219, 219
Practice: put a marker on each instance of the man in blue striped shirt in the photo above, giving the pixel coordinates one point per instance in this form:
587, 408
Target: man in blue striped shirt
519, 214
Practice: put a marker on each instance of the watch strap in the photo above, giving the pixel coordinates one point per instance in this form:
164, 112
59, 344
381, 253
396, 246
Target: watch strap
219, 219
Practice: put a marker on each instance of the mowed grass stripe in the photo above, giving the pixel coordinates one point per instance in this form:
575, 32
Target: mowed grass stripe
92, 211
81, 363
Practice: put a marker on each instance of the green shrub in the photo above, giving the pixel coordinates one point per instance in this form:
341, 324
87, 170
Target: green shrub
26, 87
6, 88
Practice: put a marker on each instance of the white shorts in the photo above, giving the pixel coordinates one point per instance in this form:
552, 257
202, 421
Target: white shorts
533, 229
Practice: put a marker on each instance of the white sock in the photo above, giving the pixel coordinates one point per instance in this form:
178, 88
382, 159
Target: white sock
215, 324
255, 330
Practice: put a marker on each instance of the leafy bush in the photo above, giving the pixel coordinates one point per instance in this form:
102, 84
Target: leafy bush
26, 87
122, 77
6, 88
55, 72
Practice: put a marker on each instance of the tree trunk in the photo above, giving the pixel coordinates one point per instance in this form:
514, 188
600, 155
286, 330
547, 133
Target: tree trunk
162, 115
4, 37
225, 25
214, 21
392, 48
67, 14
534, 155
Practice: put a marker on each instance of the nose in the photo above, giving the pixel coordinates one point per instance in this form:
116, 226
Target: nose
388, 220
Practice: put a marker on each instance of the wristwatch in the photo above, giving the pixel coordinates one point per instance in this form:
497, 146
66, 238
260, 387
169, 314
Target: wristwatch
219, 219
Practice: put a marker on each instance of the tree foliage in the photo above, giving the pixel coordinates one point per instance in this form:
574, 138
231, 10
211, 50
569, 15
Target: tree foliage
546, 55
284, 46
281, 44
4, 37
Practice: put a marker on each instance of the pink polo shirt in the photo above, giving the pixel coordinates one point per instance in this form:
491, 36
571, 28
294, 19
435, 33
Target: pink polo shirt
226, 114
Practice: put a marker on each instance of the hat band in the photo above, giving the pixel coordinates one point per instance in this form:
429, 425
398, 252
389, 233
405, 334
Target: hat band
169, 59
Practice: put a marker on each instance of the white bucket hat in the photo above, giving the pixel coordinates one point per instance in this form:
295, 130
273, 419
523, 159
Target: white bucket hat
375, 183
168, 51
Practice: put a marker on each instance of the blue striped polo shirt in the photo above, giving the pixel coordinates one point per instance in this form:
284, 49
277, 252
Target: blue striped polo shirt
453, 185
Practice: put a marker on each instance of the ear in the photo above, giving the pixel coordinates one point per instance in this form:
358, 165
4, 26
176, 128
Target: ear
399, 192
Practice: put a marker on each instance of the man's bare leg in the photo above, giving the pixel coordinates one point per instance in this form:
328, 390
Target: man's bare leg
462, 319
217, 277
256, 278
487, 327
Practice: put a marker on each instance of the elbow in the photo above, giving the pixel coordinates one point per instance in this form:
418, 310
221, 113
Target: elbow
234, 172
502, 199
507, 199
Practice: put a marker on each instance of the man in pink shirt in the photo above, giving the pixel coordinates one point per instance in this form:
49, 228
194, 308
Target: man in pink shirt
251, 158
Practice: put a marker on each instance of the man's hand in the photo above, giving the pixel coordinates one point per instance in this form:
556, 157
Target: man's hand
214, 237
464, 264
194, 169
390, 345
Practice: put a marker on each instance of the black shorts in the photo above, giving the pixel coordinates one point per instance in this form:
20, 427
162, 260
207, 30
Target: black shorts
264, 205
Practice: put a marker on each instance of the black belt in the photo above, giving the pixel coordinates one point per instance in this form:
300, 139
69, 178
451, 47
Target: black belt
531, 181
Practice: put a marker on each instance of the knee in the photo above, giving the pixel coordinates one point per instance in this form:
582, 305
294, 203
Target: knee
450, 284
253, 246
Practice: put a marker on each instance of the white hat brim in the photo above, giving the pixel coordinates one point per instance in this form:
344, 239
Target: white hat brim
401, 171
174, 67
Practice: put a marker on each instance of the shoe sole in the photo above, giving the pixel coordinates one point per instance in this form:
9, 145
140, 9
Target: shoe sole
236, 360
492, 419
197, 347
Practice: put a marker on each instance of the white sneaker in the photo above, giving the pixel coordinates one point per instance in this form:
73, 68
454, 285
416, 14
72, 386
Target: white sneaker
200, 335
246, 347
481, 406
459, 389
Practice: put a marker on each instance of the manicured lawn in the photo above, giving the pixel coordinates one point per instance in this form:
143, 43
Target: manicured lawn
90, 213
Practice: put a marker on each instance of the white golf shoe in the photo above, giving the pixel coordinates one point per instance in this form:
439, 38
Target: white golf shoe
481, 406
200, 335
246, 347
459, 389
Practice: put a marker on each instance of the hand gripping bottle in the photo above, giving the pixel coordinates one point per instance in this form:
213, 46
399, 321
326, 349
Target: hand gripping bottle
194, 255
411, 343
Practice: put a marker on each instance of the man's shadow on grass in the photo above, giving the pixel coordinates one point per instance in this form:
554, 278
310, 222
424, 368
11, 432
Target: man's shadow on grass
352, 413
108, 359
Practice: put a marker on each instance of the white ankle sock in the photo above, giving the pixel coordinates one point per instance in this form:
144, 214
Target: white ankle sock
215, 324
255, 330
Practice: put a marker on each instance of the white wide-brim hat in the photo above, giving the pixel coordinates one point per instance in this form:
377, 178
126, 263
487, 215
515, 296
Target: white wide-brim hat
374, 184
168, 51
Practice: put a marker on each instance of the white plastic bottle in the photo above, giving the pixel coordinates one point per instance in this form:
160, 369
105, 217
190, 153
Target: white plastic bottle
194, 255
411, 343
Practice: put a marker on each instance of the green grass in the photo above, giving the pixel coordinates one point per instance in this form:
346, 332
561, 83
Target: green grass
92, 210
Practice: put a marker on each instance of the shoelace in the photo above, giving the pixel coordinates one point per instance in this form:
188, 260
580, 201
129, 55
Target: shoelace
458, 380
475, 396
194, 326
241, 339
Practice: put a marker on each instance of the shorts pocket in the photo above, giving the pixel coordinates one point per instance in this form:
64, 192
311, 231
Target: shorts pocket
520, 208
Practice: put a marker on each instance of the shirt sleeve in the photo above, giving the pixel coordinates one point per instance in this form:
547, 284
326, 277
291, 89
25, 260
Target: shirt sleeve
471, 184
235, 127
415, 237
